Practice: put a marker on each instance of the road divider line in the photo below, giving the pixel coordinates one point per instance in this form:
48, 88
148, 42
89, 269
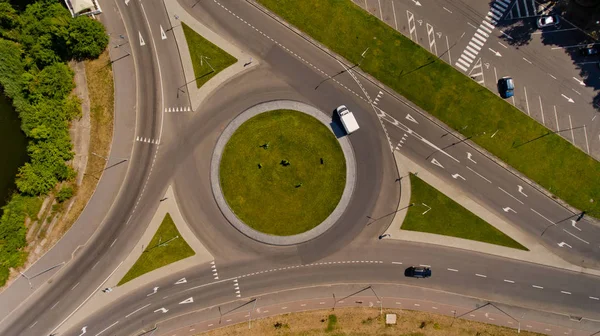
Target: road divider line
586, 139
396, 262
137, 310
565, 292
576, 236
105, 329
536, 286
452, 270
571, 126
506, 192
542, 216
483, 177
481, 275
594, 298
526, 101
542, 109
509, 281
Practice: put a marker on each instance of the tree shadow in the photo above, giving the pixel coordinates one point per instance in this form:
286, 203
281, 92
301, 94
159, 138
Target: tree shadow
518, 32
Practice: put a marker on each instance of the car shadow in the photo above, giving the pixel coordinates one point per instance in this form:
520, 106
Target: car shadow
336, 125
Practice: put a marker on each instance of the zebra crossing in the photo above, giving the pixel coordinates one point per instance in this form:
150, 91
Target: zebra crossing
528, 8
483, 32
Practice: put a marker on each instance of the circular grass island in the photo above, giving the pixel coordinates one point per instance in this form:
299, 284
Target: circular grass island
282, 172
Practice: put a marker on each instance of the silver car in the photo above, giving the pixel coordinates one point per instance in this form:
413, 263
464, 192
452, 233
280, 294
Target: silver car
547, 21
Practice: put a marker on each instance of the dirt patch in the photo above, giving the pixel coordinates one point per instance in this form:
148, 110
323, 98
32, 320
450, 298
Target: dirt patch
363, 321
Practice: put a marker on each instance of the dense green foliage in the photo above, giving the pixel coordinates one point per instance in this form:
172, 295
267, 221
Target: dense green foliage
65, 193
35, 43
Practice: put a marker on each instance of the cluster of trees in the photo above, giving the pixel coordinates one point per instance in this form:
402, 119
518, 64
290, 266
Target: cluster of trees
35, 43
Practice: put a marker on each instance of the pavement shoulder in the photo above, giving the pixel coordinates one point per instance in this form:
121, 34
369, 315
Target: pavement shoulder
537, 252
101, 300
245, 61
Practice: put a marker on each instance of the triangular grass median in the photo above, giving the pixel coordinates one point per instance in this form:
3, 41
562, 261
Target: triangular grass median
449, 218
167, 246
208, 59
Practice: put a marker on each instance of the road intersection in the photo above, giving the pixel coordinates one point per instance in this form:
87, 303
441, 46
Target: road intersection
292, 66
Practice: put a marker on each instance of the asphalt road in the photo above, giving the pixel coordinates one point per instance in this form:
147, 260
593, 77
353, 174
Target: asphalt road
187, 141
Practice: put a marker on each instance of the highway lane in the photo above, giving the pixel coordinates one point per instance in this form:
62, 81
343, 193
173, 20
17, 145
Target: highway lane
530, 209
50, 305
491, 279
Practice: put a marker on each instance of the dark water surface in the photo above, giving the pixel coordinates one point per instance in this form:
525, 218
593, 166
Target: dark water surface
13, 148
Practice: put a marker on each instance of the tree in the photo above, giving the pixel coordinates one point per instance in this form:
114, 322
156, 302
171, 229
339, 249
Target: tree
87, 38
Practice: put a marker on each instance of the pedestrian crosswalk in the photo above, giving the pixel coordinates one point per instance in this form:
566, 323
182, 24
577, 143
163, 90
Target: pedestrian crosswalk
528, 8
483, 32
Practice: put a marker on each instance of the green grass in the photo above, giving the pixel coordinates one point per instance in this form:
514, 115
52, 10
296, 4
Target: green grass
449, 218
450, 96
158, 254
268, 199
204, 54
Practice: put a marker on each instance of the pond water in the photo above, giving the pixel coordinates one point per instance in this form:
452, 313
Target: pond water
13, 148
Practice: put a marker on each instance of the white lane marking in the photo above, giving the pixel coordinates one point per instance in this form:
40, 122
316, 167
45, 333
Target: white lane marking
137, 310
586, 139
452, 270
114, 241
472, 25
394, 11
105, 329
551, 76
506, 192
571, 126
509, 281
456, 176
579, 93
496, 75
447, 10
542, 216
396, 262
425, 265
447, 49
503, 45
483, 177
576, 236
469, 157
34, 323
54, 305
507, 209
77, 284
594, 298
565, 292
542, 109
96, 264
536, 286
521, 191
526, 60
480, 275
526, 101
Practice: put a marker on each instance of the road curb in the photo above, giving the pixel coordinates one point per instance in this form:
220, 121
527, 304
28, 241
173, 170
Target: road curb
247, 230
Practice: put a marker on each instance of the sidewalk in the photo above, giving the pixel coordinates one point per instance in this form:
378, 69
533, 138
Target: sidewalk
101, 300
178, 14
537, 252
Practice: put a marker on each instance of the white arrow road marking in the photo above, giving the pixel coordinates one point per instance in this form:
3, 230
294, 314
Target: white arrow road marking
83, 330
563, 244
456, 176
507, 209
162, 33
181, 281
188, 300
579, 80
155, 290
495, 52
435, 162
469, 157
142, 43
521, 191
126, 2
574, 223
416, 2
567, 98
409, 117
163, 310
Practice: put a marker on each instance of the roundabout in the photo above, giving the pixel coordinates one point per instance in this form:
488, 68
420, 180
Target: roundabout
280, 175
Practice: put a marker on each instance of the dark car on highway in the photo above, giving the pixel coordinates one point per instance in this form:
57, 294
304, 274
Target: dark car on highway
506, 87
589, 51
418, 272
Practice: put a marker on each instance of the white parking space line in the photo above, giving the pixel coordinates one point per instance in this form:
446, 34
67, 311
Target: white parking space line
526, 101
447, 50
556, 116
394, 12
496, 75
586, 139
526, 60
542, 109
571, 126
380, 12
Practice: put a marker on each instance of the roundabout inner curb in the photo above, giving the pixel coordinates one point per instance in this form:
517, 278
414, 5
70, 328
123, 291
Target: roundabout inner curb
264, 237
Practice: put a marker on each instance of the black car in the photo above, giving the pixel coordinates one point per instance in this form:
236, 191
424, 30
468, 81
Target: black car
589, 51
418, 272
